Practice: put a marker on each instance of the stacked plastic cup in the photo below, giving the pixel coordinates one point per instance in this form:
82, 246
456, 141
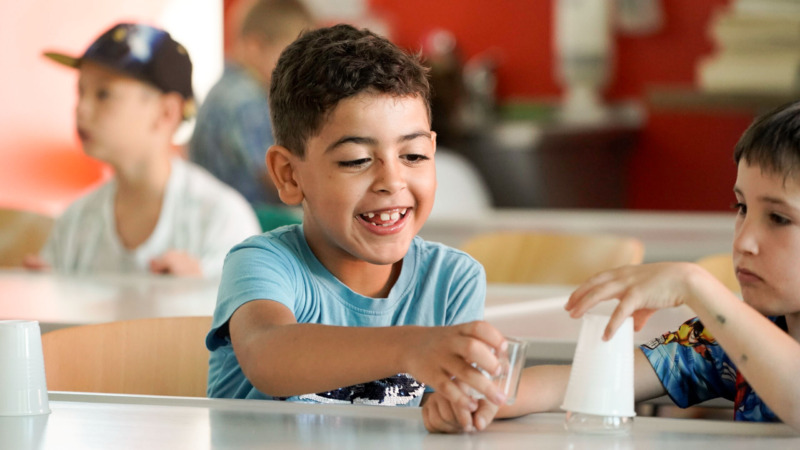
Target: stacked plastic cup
23, 388
599, 397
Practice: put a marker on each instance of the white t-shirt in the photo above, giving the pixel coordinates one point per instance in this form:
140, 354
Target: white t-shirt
199, 215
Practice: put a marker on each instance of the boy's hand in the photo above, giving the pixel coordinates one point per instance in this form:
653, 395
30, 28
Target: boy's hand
641, 290
441, 416
175, 262
442, 357
34, 262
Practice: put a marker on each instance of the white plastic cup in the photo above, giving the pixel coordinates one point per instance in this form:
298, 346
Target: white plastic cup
599, 397
23, 387
512, 361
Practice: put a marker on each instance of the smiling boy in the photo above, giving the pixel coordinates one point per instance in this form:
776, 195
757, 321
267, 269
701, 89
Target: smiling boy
746, 351
351, 306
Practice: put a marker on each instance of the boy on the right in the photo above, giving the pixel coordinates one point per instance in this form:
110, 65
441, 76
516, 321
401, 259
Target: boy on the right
747, 352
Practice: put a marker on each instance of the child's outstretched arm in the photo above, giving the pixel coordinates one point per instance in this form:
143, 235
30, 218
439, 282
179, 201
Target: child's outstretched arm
283, 358
753, 342
541, 388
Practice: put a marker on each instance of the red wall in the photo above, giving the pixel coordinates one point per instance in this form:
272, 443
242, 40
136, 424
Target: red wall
683, 159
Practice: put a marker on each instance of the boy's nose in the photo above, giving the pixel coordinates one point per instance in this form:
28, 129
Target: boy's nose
389, 177
745, 238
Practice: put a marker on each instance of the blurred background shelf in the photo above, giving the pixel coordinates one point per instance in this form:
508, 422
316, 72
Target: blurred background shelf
689, 98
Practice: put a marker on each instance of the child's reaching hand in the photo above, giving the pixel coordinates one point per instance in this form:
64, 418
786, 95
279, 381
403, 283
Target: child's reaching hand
174, 262
441, 416
641, 290
442, 357
35, 262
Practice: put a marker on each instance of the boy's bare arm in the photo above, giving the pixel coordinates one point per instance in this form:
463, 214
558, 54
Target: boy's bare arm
768, 357
283, 358
541, 388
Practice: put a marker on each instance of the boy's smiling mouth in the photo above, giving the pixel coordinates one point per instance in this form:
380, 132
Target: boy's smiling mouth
386, 218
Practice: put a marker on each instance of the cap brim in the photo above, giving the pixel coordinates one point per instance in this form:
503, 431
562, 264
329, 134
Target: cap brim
61, 58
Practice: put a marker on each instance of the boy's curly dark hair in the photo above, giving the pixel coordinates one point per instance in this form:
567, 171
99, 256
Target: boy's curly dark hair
327, 65
772, 142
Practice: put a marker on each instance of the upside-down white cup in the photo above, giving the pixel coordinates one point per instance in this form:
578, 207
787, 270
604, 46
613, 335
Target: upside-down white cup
599, 395
23, 388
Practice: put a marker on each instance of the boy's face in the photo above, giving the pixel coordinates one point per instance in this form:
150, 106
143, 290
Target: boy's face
114, 112
766, 246
368, 179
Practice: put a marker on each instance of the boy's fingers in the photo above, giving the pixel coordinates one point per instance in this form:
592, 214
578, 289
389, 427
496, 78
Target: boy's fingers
434, 422
461, 416
484, 415
479, 382
485, 332
450, 391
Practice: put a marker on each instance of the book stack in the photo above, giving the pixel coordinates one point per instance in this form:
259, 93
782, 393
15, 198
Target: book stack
757, 49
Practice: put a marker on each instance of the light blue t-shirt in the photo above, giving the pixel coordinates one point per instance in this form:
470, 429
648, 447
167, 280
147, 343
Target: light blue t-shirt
438, 285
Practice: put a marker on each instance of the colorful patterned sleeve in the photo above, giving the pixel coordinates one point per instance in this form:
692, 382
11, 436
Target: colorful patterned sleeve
691, 365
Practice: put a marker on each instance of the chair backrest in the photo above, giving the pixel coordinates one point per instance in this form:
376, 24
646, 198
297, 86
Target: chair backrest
21, 233
550, 258
160, 356
721, 266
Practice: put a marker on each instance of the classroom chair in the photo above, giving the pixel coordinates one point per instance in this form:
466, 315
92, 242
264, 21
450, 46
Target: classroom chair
550, 258
21, 233
159, 356
721, 266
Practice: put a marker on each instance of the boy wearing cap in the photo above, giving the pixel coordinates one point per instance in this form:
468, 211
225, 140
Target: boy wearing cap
159, 213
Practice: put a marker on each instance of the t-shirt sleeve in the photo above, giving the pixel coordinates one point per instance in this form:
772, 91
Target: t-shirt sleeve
691, 365
467, 293
254, 270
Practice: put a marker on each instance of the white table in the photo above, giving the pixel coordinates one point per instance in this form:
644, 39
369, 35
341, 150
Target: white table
60, 300
98, 421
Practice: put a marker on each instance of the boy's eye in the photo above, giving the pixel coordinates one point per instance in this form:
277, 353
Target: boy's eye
413, 157
779, 219
353, 163
741, 207
102, 94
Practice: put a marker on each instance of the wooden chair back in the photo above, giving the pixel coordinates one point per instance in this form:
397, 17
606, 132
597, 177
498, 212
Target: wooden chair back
160, 356
550, 258
21, 233
721, 266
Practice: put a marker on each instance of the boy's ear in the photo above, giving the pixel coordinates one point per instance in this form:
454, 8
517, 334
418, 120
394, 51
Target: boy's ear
172, 108
281, 167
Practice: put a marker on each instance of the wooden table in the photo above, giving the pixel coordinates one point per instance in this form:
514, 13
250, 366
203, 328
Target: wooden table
99, 421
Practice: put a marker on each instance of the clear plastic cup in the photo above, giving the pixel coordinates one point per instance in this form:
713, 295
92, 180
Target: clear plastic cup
599, 397
23, 388
512, 361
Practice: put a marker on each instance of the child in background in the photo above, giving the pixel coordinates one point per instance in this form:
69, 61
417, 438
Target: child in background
747, 352
233, 132
351, 306
159, 213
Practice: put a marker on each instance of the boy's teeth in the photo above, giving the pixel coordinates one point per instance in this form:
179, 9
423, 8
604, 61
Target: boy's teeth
385, 216
370, 215
394, 216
